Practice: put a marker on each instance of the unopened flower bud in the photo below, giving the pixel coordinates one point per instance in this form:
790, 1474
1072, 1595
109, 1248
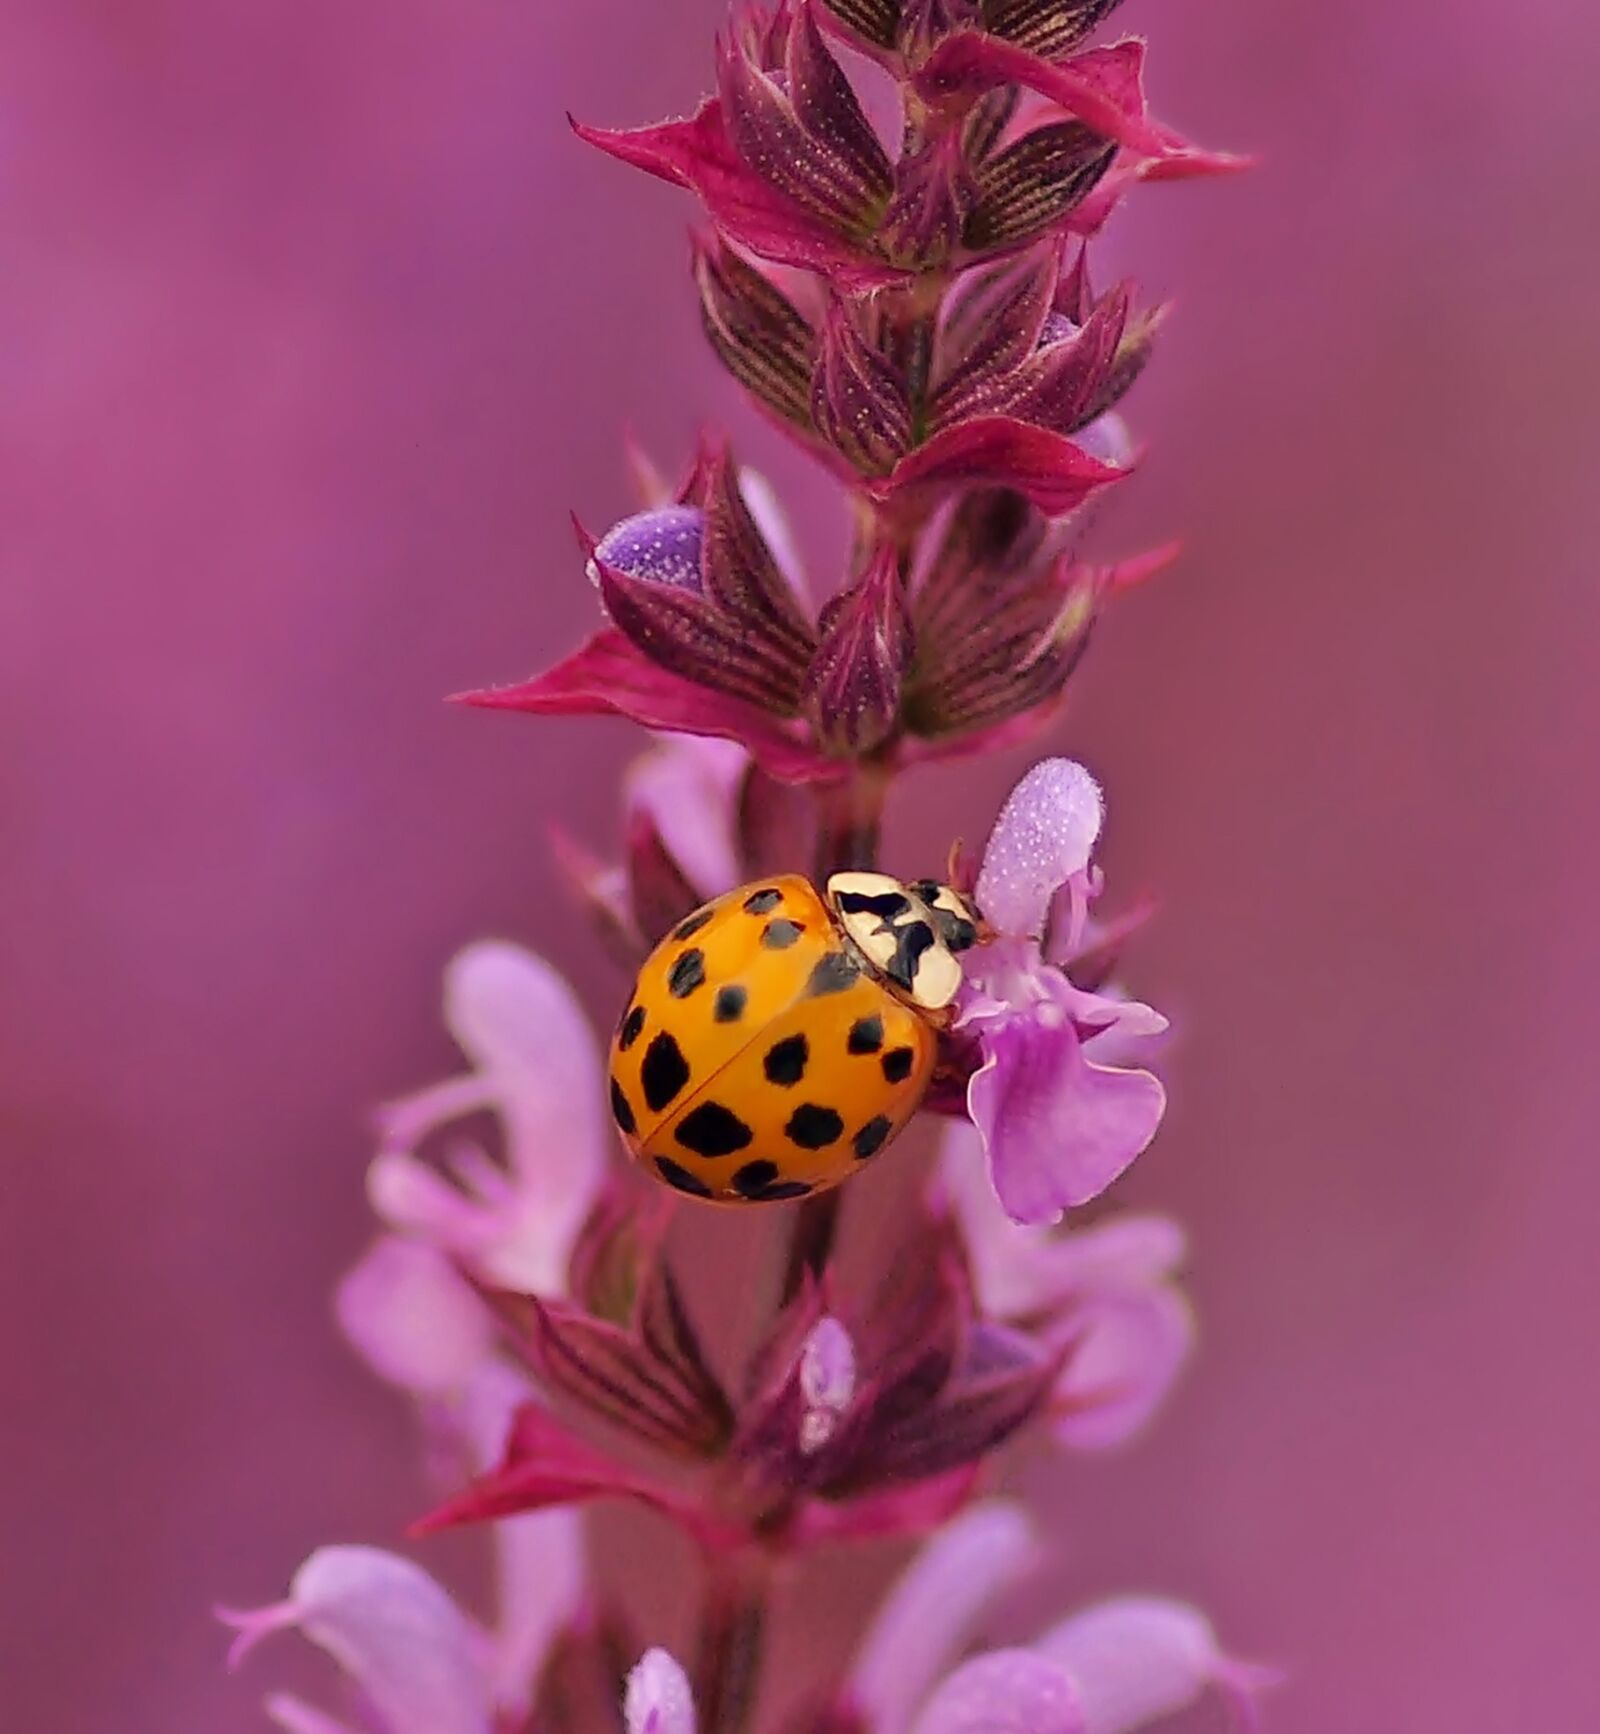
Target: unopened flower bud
827, 1382
658, 1699
696, 588
662, 546
854, 686
859, 402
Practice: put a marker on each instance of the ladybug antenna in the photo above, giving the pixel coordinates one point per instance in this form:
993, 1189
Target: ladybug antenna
961, 872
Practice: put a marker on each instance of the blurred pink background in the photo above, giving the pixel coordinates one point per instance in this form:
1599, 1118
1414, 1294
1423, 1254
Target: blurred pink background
316, 321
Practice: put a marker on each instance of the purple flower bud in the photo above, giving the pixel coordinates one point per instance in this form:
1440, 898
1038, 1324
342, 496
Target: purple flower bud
662, 546
698, 591
1044, 836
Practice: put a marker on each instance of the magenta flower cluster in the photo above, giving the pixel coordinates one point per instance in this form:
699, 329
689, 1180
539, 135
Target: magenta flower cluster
916, 313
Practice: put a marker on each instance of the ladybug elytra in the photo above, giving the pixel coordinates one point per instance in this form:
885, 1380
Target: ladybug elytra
779, 1037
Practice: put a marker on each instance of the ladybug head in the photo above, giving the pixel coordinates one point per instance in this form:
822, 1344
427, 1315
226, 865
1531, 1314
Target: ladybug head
908, 935
957, 918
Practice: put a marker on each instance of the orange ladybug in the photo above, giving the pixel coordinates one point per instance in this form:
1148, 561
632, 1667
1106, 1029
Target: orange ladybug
779, 1037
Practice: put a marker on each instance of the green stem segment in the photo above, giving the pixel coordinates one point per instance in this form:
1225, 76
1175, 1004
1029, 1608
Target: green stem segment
731, 1642
849, 822
849, 825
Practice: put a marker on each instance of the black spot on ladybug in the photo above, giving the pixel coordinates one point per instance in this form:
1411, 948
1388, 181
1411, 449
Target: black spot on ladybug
712, 1130
814, 1128
631, 1026
687, 973
779, 935
897, 1064
763, 902
957, 932
870, 1139
621, 1111
786, 1060
687, 929
674, 1175
959, 935
665, 1071
866, 1035
730, 1004
886, 905
832, 974
914, 939
755, 1177
759, 1182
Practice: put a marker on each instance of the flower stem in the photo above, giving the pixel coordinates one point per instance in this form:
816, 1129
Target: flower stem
731, 1639
849, 822
816, 1227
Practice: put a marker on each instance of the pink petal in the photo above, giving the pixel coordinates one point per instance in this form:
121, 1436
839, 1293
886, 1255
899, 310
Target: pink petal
414, 1198
688, 784
1108, 1287
607, 677
517, 1020
1137, 1658
1004, 1692
1052, 471
1017, 1272
658, 1699
1021, 1272
413, 1318
931, 1610
407, 1648
1109, 439
417, 1323
1121, 1255
295, 1716
1058, 1129
776, 530
541, 1580
542, 1587
1045, 835
538, 1065
1128, 1350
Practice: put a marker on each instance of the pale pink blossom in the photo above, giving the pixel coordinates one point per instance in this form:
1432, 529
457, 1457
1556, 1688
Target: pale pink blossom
1058, 1124
1115, 1667
1105, 1293
535, 1064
